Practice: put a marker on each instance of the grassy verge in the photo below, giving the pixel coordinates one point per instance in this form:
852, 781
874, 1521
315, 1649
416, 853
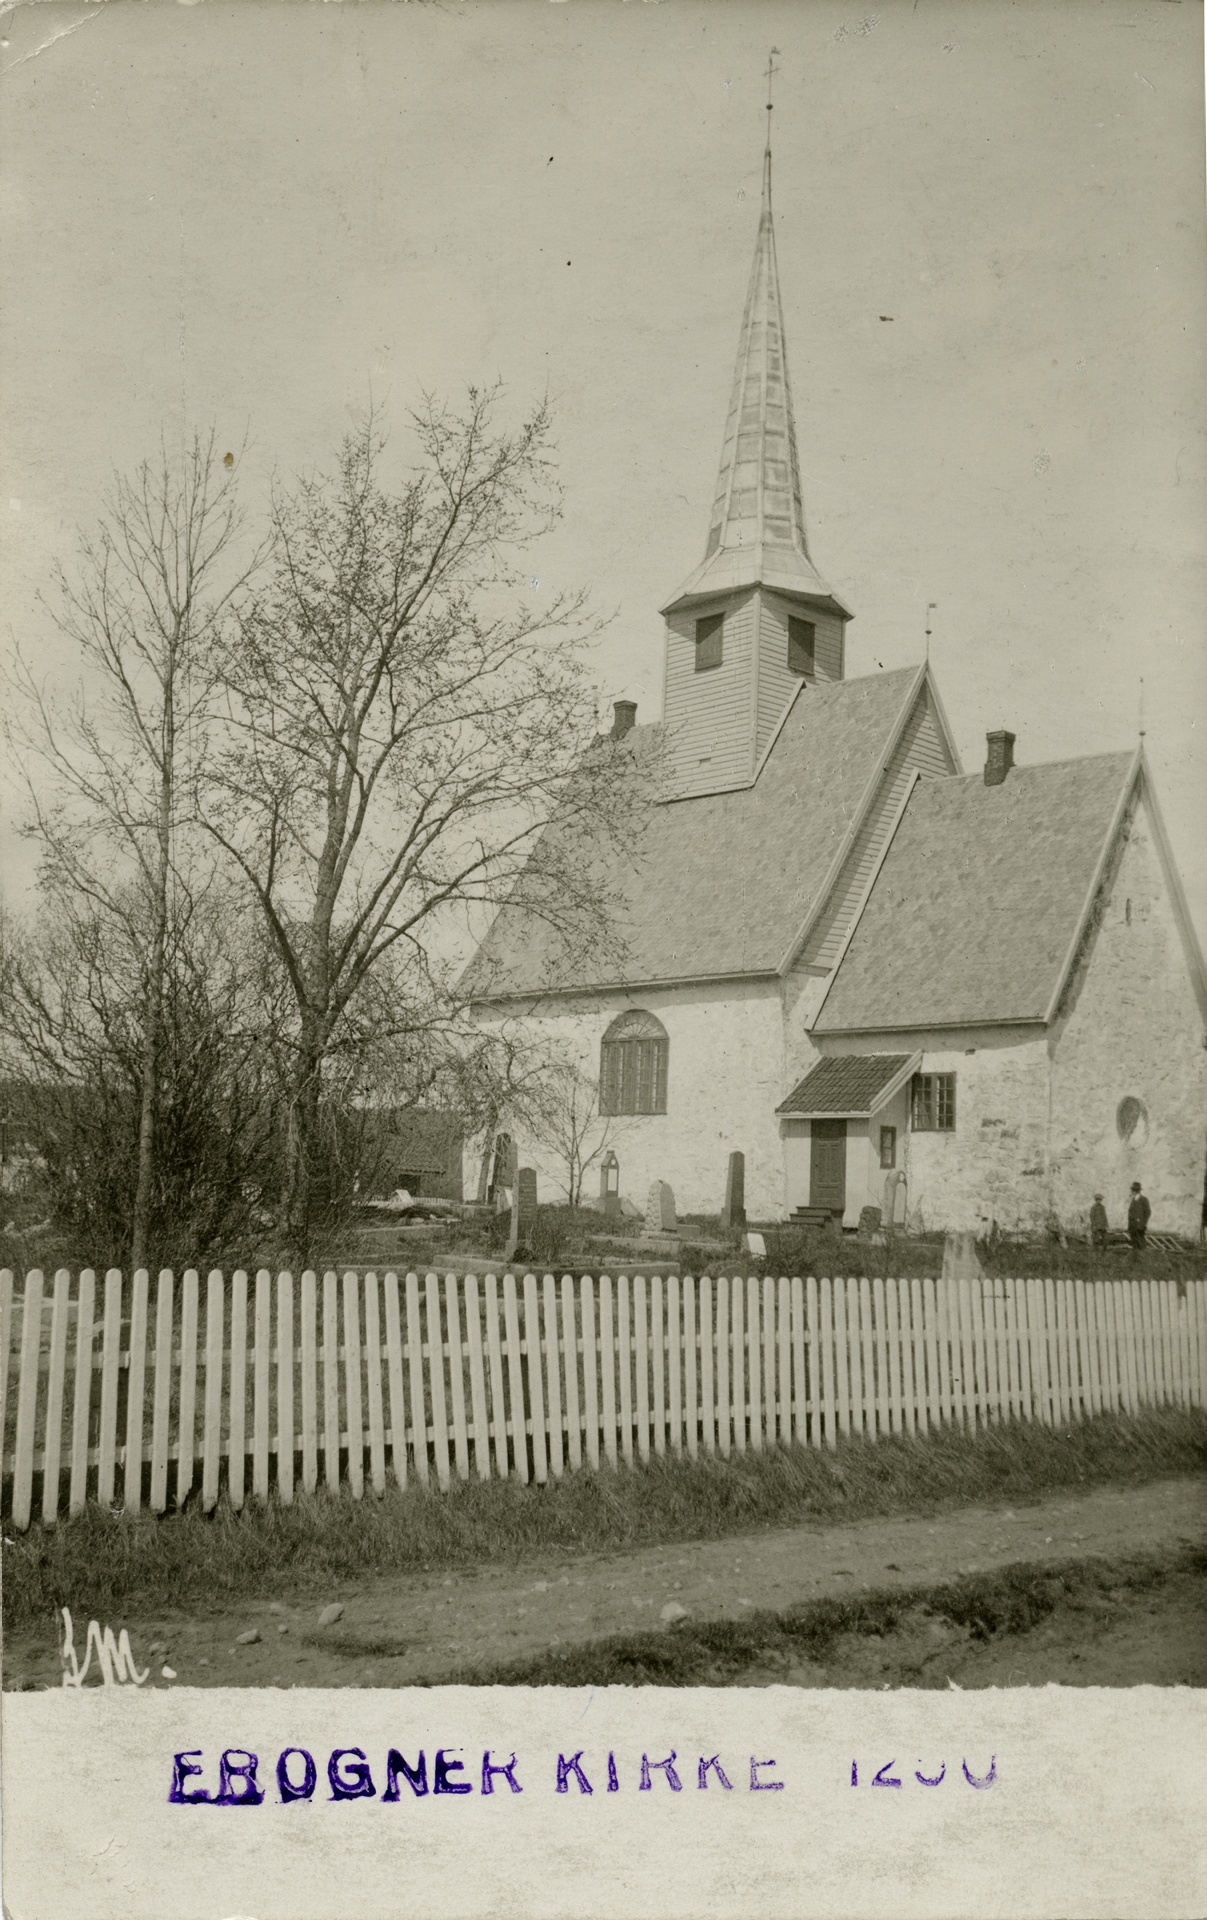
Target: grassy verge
714, 1653
98, 1564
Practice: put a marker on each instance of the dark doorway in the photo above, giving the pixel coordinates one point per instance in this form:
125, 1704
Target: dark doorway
828, 1165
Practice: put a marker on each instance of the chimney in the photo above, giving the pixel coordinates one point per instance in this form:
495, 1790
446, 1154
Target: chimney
999, 758
626, 718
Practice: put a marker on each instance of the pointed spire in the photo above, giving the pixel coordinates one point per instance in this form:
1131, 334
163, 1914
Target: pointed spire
757, 530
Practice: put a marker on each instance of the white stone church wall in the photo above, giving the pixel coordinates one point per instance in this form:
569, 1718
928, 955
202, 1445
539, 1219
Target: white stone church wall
723, 1086
1133, 1028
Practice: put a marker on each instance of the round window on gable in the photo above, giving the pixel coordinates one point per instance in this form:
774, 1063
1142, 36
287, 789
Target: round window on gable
1131, 1118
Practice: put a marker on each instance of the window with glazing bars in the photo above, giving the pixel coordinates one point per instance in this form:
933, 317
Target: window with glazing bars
933, 1103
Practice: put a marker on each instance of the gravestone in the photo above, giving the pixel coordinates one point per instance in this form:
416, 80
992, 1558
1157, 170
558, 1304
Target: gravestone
960, 1258
733, 1214
523, 1215
756, 1245
660, 1216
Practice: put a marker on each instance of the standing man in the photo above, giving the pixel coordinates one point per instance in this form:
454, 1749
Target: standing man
1138, 1216
1098, 1223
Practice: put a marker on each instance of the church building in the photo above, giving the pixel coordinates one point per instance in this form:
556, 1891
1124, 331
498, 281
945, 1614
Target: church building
957, 997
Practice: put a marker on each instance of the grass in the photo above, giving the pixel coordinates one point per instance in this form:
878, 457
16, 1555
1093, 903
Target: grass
713, 1653
99, 1564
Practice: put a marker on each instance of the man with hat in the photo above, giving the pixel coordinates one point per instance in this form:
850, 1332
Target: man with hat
1098, 1223
1138, 1216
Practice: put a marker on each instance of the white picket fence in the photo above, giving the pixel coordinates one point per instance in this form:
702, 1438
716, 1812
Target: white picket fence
538, 1377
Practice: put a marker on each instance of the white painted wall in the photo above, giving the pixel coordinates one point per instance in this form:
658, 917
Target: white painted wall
724, 1083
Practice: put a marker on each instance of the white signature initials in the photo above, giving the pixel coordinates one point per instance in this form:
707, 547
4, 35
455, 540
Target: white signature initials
114, 1657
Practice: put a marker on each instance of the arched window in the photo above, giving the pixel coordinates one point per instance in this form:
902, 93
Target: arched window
632, 1065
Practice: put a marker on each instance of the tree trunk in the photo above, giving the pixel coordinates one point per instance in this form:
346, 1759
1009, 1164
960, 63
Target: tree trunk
304, 1144
153, 1020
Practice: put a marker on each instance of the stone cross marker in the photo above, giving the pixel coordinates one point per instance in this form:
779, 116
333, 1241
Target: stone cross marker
523, 1214
733, 1214
660, 1209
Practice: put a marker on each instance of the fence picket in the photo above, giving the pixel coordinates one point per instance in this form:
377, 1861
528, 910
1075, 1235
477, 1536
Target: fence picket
353, 1404
110, 1362
607, 1367
56, 1383
6, 1349
186, 1438
330, 1381
800, 1384
477, 1379
236, 1465
1168, 1348
812, 1395
309, 1393
1014, 1363
419, 1394
498, 1404
934, 1391
1148, 1345
1084, 1375
81, 1405
515, 1382
724, 1369
825, 1312
908, 1351
784, 1328
708, 1369
1108, 1356
435, 1373
880, 1343
1198, 1292
590, 1370
536, 1394
456, 1373
398, 1407
1128, 1334
624, 1317
754, 1390
574, 1428
162, 1399
892, 1312
949, 1364
674, 1364
641, 1367
285, 1388
27, 1398
657, 1365
866, 1421
136, 1382
377, 1419
1180, 1303
770, 1413
557, 1438
918, 1400
261, 1385
211, 1437
691, 1385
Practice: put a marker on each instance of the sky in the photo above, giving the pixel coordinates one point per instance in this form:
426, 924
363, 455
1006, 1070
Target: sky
990, 227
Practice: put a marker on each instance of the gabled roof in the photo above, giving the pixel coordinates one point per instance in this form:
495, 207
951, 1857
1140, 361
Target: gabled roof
721, 884
757, 529
848, 1085
976, 908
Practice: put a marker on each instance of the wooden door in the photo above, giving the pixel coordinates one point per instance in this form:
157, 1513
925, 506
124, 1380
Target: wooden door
828, 1165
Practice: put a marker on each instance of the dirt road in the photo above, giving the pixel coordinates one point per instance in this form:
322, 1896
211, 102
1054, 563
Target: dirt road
399, 1631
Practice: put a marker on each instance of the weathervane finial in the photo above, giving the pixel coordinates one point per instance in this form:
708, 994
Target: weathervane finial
772, 70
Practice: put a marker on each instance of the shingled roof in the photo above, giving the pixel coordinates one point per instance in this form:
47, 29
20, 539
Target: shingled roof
723, 882
847, 1084
979, 899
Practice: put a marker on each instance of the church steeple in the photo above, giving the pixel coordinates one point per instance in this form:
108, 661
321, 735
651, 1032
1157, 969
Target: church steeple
755, 618
757, 529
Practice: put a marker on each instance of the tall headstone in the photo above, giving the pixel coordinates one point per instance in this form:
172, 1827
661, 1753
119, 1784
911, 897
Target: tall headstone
523, 1215
733, 1214
660, 1215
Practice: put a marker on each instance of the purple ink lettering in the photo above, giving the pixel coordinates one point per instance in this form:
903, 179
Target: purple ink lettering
238, 1763
491, 1768
571, 1766
355, 1782
668, 1768
989, 1779
854, 1774
763, 1786
416, 1776
285, 1786
884, 1778
613, 1782
445, 1766
937, 1781
718, 1769
182, 1768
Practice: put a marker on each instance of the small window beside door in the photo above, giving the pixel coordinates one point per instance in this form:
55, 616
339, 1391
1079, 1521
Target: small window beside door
802, 647
888, 1146
709, 641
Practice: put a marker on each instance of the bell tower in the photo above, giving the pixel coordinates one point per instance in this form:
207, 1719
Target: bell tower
755, 618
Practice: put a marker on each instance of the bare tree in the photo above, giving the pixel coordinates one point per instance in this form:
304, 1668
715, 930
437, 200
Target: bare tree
569, 1122
403, 724
110, 768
